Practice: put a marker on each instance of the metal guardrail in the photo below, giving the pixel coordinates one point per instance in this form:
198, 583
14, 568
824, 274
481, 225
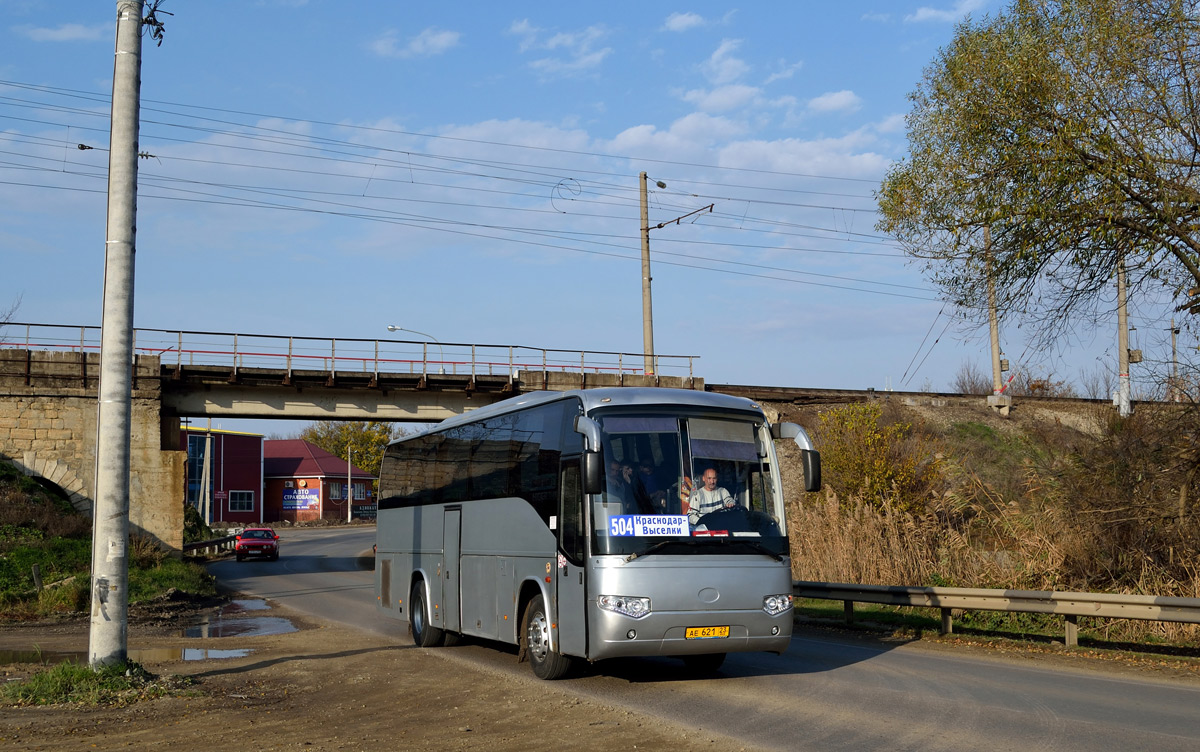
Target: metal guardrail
367, 356
1070, 605
214, 546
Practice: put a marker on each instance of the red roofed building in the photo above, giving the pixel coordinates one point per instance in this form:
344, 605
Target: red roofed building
301, 481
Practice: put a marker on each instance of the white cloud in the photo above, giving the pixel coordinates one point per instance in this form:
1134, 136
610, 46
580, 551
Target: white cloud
722, 98
891, 124
835, 101
580, 48
722, 67
785, 71
950, 15
689, 136
68, 33
683, 22
428, 43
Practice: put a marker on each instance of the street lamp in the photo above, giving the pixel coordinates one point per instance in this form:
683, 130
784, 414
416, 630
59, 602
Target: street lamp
441, 352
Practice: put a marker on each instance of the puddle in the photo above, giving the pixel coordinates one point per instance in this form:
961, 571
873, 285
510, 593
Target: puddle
229, 622
249, 626
146, 655
244, 604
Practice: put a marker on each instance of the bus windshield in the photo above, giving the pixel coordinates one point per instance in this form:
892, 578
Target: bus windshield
684, 483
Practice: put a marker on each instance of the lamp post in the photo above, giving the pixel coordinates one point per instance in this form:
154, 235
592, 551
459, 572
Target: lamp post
349, 483
441, 352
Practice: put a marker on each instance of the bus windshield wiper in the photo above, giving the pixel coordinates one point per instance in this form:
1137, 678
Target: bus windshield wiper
661, 545
760, 548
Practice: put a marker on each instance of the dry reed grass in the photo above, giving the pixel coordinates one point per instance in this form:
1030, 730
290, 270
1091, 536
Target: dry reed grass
1004, 547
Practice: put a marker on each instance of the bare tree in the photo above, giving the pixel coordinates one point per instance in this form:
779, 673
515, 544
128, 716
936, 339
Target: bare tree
971, 379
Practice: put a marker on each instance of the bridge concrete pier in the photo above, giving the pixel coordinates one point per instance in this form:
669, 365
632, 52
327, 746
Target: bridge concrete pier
48, 414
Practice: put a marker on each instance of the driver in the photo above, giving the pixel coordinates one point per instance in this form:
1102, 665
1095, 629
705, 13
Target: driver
708, 498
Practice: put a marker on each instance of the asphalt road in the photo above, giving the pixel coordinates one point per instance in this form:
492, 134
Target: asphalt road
826, 692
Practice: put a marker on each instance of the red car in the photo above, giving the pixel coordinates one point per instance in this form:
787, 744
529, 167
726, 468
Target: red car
257, 541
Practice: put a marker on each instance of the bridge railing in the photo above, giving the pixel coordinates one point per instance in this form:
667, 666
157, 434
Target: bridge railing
1070, 605
429, 358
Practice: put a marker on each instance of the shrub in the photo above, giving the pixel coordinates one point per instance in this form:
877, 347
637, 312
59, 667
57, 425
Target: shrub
880, 461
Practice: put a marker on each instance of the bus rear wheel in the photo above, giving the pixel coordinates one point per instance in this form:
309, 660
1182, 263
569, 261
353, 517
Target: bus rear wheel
423, 634
547, 663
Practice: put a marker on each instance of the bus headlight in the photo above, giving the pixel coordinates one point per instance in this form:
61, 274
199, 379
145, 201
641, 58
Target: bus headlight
632, 607
777, 604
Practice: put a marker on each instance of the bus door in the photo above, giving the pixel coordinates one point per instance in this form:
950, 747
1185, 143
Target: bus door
571, 578
451, 545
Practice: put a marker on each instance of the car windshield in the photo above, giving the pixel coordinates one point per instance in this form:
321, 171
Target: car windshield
257, 534
687, 481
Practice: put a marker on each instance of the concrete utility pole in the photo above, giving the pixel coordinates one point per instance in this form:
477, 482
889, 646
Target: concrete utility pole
647, 307
349, 483
1123, 387
999, 400
651, 366
109, 632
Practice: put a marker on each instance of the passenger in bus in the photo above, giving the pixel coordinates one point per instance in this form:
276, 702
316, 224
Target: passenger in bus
708, 498
617, 489
648, 482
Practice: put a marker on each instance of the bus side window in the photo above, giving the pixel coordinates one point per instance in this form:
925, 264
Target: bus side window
572, 535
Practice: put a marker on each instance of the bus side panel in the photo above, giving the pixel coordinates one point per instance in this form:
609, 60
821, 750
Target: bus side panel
410, 538
499, 563
479, 607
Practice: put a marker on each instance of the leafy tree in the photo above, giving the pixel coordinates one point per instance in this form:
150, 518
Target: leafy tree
367, 440
1070, 129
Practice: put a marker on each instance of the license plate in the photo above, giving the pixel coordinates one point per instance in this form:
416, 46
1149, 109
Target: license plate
706, 633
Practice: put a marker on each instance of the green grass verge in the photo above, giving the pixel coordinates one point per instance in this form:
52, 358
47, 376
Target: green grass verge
115, 684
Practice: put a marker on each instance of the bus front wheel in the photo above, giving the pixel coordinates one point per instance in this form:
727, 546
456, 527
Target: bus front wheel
423, 634
546, 663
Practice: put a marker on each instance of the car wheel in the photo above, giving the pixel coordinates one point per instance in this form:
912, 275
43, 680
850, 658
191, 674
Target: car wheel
423, 634
239, 557
547, 663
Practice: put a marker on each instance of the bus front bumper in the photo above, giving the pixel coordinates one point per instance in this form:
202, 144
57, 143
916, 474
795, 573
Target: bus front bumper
615, 635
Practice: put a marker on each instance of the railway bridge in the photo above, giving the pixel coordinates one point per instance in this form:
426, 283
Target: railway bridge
49, 376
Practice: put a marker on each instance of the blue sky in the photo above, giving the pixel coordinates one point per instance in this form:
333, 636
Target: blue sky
470, 171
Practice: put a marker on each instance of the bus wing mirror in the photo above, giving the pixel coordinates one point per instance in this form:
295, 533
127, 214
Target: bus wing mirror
593, 466
810, 458
593, 473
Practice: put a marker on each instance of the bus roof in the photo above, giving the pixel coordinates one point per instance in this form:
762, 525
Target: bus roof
601, 397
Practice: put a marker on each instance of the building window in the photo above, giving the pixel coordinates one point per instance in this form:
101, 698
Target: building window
241, 501
360, 491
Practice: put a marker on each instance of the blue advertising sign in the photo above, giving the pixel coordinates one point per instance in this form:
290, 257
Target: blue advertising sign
301, 498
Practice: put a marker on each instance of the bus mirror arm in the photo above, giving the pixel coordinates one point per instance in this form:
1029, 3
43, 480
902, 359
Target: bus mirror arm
590, 430
810, 458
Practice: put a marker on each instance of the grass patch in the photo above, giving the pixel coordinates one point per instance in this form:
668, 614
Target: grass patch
117, 684
149, 583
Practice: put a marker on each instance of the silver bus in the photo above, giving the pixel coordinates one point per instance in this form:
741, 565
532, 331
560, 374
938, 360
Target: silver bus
593, 524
